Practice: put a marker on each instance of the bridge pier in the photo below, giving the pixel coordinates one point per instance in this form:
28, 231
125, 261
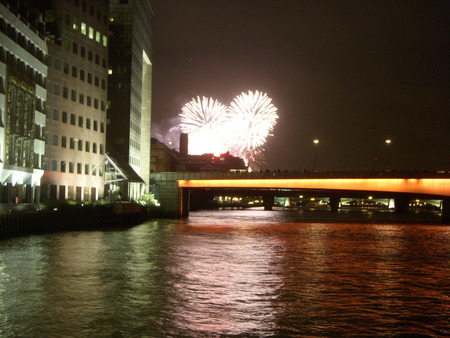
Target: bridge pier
401, 204
334, 203
184, 202
268, 201
446, 211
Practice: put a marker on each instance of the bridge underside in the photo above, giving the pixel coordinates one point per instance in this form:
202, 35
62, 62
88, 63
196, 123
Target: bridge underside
400, 190
433, 186
176, 191
202, 196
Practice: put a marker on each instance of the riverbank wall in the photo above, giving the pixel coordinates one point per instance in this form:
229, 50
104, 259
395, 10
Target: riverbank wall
70, 218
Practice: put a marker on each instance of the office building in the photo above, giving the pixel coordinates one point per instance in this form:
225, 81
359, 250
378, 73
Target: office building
129, 94
77, 39
23, 74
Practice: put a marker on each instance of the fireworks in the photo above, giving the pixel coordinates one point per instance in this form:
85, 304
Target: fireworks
241, 128
252, 117
204, 119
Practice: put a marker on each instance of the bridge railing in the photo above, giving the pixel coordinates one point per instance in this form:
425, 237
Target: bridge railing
284, 174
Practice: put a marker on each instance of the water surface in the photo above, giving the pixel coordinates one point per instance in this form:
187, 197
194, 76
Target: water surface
229, 273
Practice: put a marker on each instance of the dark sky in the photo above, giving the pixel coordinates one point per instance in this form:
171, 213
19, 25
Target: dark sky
350, 73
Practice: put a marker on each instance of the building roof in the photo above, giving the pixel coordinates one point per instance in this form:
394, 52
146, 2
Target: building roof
123, 168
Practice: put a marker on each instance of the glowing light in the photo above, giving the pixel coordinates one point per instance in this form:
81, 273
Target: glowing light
431, 186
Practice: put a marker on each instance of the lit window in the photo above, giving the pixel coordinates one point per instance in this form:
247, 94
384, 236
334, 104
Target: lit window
110, 71
91, 33
75, 23
98, 37
105, 40
83, 28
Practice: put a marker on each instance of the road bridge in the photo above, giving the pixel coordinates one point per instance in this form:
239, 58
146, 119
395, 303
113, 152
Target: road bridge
175, 190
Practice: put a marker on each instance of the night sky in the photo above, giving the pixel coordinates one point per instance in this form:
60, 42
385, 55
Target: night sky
349, 73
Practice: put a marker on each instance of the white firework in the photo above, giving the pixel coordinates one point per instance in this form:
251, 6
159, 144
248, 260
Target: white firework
253, 116
204, 120
241, 128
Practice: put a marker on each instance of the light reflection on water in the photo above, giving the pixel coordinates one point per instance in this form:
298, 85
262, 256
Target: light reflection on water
229, 273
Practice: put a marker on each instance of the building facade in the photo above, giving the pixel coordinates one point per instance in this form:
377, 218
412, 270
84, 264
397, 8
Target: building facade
77, 38
23, 74
130, 90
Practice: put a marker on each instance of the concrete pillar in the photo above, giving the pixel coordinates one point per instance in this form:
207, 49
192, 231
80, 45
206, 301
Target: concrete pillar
268, 201
37, 194
9, 198
28, 193
184, 202
401, 204
287, 202
446, 211
334, 203
19, 193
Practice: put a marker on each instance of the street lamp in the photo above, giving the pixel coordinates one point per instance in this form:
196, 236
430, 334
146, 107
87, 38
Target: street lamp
315, 154
388, 142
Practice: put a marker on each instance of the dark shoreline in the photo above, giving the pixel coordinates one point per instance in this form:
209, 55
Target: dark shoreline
99, 217
66, 218
357, 216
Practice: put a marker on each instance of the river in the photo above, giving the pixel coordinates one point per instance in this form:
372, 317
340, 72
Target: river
229, 272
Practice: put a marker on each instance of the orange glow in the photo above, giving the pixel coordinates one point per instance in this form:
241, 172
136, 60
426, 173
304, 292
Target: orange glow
433, 186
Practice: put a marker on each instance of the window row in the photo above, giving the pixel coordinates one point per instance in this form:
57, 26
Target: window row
82, 121
92, 10
86, 29
22, 68
78, 168
75, 143
134, 161
21, 40
76, 72
96, 103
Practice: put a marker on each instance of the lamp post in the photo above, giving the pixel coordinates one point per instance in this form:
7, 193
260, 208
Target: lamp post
388, 165
315, 154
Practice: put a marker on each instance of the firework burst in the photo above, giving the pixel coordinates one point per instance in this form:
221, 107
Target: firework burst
204, 119
253, 116
241, 128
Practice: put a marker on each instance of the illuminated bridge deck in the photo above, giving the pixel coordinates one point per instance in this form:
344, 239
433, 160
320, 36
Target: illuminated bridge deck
175, 188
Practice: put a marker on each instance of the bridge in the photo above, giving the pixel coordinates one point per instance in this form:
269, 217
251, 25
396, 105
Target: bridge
176, 191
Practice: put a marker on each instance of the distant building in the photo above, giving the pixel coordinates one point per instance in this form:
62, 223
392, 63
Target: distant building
210, 162
77, 36
165, 159
130, 90
23, 75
